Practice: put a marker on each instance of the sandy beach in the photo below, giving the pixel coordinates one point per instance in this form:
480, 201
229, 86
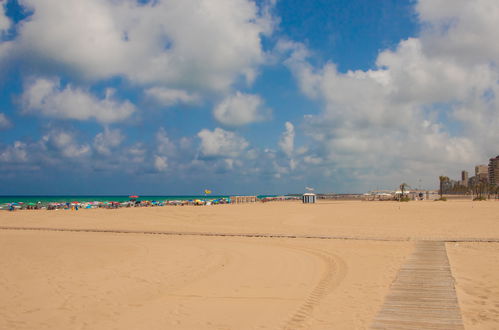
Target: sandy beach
248, 274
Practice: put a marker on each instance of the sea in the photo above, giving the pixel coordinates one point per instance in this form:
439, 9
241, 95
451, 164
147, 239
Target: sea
105, 198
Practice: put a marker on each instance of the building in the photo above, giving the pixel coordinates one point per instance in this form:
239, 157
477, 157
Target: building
464, 178
472, 181
243, 199
449, 186
494, 171
309, 198
482, 173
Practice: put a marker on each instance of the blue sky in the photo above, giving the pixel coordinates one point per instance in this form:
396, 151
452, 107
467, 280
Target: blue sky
172, 97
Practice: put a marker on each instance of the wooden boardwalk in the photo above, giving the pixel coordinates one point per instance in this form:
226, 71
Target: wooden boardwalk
423, 295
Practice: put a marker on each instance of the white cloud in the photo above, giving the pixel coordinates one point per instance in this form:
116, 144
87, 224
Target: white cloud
464, 30
17, 152
169, 96
5, 22
426, 109
65, 143
217, 154
47, 97
413, 75
312, 160
55, 149
287, 141
160, 163
240, 109
136, 153
221, 143
107, 140
4, 121
185, 43
164, 145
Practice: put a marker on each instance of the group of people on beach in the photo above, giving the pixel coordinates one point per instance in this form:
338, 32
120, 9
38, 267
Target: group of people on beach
76, 205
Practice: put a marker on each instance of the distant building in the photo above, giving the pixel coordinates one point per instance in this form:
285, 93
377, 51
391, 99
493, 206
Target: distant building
482, 173
449, 185
480, 169
243, 199
472, 181
494, 171
309, 198
464, 178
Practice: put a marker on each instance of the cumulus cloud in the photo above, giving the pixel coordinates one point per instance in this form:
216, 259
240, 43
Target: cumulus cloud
50, 149
240, 109
105, 141
165, 145
461, 29
160, 163
215, 154
5, 22
48, 97
221, 143
148, 43
65, 144
56, 149
136, 153
4, 121
17, 152
287, 141
169, 97
425, 109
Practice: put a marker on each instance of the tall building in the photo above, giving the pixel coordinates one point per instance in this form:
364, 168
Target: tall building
472, 181
482, 173
494, 171
448, 185
464, 178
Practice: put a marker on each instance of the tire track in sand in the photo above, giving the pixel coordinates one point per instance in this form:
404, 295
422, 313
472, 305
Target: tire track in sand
335, 268
334, 272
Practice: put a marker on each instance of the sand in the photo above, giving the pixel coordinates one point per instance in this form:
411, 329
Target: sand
391, 220
476, 271
103, 280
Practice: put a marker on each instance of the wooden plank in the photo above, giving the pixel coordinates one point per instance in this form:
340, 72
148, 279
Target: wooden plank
423, 294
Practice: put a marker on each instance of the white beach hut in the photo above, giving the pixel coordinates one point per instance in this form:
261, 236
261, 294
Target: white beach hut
309, 198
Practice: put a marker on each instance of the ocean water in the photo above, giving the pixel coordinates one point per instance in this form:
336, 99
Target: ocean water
107, 198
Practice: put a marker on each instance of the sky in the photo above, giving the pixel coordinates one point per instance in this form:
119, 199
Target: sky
169, 97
